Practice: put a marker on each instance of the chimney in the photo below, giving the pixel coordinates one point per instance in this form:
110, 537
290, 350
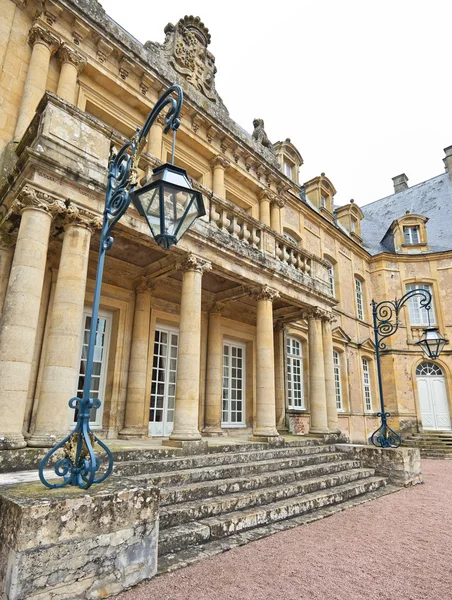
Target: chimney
448, 160
401, 182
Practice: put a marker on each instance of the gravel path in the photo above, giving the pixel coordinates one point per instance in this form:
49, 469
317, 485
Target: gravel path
398, 547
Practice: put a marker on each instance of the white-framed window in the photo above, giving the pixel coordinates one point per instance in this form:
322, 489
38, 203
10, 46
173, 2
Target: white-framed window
353, 225
359, 298
330, 269
366, 385
233, 396
337, 379
418, 314
323, 201
411, 235
294, 373
287, 169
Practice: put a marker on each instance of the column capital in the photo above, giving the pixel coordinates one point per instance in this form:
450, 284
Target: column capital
82, 218
265, 292
267, 195
217, 308
277, 201
142, 284
220, 161
67, 54
39, 34
193, 263
30, 197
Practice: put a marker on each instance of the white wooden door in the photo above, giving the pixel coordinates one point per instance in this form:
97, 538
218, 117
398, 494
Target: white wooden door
233, 409
100, 363
433, 397
163, 387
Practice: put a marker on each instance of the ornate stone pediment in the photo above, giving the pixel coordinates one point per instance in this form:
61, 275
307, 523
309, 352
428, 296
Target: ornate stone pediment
185, 48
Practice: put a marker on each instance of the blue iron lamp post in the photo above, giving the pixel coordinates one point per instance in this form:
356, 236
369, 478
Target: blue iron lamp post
385, 323
170, 206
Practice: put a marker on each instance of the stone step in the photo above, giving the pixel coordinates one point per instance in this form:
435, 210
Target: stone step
210, 489
422, 443
178, 514
195, 553
245, 469
216, 527
139, 467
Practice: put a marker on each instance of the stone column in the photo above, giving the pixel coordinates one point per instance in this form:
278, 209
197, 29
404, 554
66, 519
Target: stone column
72, 62
155, 140
330, 388
189, 355
21, 310
265, 198
62, 359
275, 215
44, 44
265, 422
317, 394
6, 258
136, 421
214, 370
220, 164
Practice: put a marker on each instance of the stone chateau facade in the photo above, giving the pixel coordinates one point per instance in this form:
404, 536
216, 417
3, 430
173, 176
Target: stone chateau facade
273, 285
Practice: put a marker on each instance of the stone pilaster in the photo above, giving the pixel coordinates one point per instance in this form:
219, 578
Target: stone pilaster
189, 355
219, 164
265, 422
276, 205
213, 406
62, 359
44, 44
330, 389
6, 258
317, 393
72, 62
19, 320
136, 421
280, 366
266, 196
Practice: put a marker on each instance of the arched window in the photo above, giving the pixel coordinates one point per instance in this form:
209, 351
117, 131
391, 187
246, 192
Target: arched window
337, 379
294, 373
428, 368
367, 388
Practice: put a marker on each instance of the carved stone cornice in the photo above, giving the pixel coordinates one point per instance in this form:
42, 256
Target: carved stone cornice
221, 161
265, 292
143, 284
104, 49
67, 54
193, 263
82, 218
276, 201
38, 34
29, 197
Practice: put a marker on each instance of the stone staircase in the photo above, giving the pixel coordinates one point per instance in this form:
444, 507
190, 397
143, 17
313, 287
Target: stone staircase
432, 444
234, 494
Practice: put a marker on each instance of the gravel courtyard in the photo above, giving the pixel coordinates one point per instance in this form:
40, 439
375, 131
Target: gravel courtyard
398, 547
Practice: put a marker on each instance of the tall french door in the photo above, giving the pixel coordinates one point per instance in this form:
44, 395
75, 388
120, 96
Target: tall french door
163, 387
100, 364
233, 397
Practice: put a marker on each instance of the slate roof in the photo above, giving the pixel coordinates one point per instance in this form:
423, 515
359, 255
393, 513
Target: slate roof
431, 198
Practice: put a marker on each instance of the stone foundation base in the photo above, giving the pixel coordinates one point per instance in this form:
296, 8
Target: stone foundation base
402, 466
71, 543
190, 447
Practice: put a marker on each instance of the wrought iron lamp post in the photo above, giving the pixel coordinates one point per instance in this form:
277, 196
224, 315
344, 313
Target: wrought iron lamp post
170, 206
386, 322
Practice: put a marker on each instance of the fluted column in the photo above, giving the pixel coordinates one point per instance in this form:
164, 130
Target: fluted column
330, 388
72, 62
189, 354
19, 320
220, 164
317, 393
214, 369
6, 258
62, 359
265, 198
136, 421
275, 213
44, 44
265, 422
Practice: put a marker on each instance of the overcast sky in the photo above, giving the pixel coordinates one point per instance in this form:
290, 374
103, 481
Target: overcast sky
362, 89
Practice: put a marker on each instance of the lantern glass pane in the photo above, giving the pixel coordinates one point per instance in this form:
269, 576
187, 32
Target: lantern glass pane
151, 207
179, 211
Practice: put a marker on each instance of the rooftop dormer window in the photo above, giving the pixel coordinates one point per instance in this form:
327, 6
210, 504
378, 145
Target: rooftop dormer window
288, 169
323, 201
411, 235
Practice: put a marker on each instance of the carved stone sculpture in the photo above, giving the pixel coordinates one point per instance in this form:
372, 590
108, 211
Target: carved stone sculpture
260, 136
